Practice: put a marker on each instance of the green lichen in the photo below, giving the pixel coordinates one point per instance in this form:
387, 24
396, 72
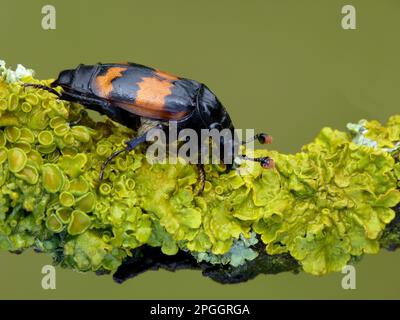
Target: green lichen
240, 252
374, 134
322, 206
335, 201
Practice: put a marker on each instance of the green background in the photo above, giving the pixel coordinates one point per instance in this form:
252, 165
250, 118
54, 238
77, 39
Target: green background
285, 67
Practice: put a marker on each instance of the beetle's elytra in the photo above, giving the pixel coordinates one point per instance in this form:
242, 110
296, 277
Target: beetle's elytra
132, 94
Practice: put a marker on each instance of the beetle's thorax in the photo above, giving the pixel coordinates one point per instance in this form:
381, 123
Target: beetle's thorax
212, 113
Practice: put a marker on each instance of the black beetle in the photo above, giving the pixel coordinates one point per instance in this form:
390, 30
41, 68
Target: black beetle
133, 94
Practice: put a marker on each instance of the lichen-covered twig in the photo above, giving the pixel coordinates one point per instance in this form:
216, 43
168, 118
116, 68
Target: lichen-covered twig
316, 211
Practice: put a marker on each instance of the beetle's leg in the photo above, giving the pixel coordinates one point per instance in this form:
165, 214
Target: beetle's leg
41, 86
202, 178
262, 138
265, 162
82, 113
131, 144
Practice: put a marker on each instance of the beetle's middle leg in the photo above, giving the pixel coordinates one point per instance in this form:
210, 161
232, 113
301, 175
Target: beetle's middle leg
202, 178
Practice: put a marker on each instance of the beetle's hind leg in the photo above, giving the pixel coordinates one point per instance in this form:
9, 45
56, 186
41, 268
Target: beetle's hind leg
43, 87
82, 113
130, 145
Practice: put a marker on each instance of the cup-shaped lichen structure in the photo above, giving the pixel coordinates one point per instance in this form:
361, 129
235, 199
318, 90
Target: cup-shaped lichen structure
324, 205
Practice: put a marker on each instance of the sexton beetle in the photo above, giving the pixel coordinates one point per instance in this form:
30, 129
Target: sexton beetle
136, 95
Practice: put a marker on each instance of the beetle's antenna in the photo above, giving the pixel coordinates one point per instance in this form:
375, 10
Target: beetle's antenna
105, 163
41, 86
262, 138
265, 162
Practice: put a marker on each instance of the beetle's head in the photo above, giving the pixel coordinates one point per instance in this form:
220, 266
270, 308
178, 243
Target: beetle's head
64, 79
214, 116
212, 112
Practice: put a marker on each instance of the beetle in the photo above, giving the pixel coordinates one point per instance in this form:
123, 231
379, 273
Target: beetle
143, 98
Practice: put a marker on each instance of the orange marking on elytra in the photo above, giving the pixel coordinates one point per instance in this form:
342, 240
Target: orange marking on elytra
152, 93
104, 82
151, 113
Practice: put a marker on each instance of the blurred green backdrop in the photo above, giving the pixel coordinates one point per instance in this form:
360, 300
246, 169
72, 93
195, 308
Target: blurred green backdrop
285, 67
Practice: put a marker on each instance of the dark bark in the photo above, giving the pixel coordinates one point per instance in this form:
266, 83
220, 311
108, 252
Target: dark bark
148, 258
390, 238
